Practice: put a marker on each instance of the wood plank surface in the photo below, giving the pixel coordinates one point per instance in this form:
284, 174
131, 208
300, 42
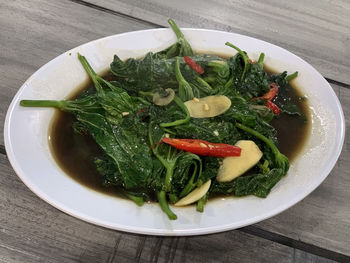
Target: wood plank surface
33, 231
317, 31
34, 32
31, 37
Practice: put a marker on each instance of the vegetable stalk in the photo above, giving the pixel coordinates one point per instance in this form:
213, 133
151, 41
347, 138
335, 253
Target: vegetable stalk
43, 103
185, 89
185, 47
244, 56
180, 103
161, 196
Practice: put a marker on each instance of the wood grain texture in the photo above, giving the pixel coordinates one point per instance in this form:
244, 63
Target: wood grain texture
317, 31
33, 231
34, 32
31, 37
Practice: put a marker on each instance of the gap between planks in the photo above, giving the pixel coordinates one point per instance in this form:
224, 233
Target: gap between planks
280, 239
110, 11
296, 244
2, 150
113, 12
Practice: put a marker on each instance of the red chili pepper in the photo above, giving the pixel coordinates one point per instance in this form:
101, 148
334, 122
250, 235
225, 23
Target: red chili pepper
142, 110
189, 61
273, 107
202, 147
269, 97
270, 94
250, 61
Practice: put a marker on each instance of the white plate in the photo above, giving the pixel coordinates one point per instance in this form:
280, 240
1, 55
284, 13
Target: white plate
26, 139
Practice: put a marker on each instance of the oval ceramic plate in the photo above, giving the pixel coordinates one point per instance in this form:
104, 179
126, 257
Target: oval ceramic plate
26, 139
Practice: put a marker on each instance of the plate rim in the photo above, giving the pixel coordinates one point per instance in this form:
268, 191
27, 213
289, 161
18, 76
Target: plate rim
166, 232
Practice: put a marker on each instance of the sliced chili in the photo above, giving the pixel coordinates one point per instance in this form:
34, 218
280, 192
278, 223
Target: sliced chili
269, 97
273, 107
189, 61
204, 148
142, 110
270, 94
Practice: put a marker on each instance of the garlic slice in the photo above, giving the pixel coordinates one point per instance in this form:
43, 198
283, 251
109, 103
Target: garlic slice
209, 106
195, 195
234, 166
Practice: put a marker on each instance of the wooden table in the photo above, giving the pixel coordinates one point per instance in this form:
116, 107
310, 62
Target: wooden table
33, 32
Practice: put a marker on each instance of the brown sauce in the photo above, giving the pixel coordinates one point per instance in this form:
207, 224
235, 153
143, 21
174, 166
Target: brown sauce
75, 154
292, 131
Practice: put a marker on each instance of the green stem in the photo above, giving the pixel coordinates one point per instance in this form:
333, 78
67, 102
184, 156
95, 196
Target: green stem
172, 51
146, 93
216, 66
244, 56
42, 103
179, 102
168, 177
161, 196
183, 48
229, 83
292, 76
154, 149
201, 202
188, 188
191, 185
259, 136
210, 79
86, 65
175, 28
143, 101
222, 70
96, 79
203, 85
280, 159
185, 89
168, 131
89, 70
173, 198
137, 199
168, 163
261, 61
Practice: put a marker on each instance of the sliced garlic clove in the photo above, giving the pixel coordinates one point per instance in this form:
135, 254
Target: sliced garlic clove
209, 106
234, 166
195, 195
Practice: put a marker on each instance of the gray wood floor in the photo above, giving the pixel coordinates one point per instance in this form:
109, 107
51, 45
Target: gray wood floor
315, 230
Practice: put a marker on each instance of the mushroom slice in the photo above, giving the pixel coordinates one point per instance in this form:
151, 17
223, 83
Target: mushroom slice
160, 100
232, 167
195, 195
209, 106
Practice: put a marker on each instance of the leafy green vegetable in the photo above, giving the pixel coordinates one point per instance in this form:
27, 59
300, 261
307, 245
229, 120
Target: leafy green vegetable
291, 109
181, 47
185, 90
258, 184
123, 120
209, 130
244, 56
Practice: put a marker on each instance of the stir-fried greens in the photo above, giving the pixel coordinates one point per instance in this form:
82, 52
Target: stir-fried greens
174, 125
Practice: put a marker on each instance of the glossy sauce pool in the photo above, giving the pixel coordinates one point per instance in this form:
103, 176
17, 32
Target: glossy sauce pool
75, 153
